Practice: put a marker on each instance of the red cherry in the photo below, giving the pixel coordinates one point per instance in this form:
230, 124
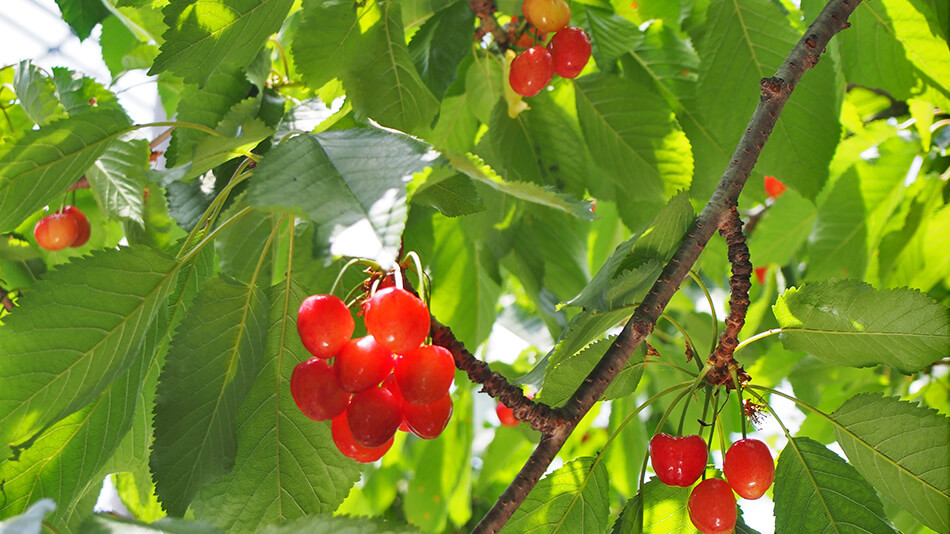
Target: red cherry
531, 71
570, 49
429, 420
390, 384
749, 468
317, 391
712, 507
678, 461
505, 415
774, 187
373, 416
362, 364
760, 273
324, 324
547, 15
56, 231
343, 439
84, 230
425, 374
397, 319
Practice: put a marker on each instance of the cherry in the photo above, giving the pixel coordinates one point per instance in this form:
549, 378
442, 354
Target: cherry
774, 187
547, 15
570, 49
678, 461
390, 384
343, 439
397, 319
531, 71
760, 274
324, 324
317, 391
84, 230
505, 415
425, 374
56, 231
373, 416
362, 364
429, 420
749, 468
712, 507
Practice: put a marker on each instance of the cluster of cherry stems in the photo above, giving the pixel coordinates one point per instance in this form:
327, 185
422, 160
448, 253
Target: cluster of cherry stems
372, 386
566, 53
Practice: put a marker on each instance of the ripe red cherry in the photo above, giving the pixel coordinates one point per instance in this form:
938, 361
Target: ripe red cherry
678, 461
373, 416
324, 324
397, 319
425, 374
760, 274
570, 49
505, 415
390, 384
749, 468
362, 364
712, 507
774, 187
547, 15
82, 225
343, 439
429, 420
317, 391
531, 71
56, 231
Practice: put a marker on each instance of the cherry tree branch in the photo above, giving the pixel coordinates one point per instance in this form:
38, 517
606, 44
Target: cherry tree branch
775, 92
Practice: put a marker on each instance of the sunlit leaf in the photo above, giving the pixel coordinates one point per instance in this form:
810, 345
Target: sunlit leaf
573, 498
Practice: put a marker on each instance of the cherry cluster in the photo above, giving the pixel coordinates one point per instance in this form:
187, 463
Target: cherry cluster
680, 461
371, 386
67, 227
566, 53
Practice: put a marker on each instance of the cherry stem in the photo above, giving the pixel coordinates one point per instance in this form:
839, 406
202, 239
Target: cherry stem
690, 346
742, 418
712, 426
760, 335
712, 308
339, 275
423, 291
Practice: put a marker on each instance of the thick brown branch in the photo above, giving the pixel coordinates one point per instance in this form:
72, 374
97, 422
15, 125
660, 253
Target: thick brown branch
775, 92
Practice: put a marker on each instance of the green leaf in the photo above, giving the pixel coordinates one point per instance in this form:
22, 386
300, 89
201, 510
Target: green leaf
343, 525
81, 94
36, 94
41, 164
634, 138
203, 37
381, 80
630, 520
118, 179
783, 230
440, 44
110, 524
242, 243
198, 398
327, 39
837, 246
122, 51
484, 84
452, 196
513, 151
903, 450
82, 15
567, 371
913, 26
574, 498
365, 171
817, 491
850, 323
287, 466
79, 329
29, 521
664, 508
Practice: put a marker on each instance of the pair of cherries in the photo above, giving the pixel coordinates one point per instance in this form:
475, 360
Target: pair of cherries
67, 227
565, 55
385, 381
747, 465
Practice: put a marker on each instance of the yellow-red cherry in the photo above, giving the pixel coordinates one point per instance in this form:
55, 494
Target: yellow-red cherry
343, 439
429, 420
397, 319
316, 390
324, 324
531, 71
570, 49
678, 461
84, 230
749, 468
362, 364
505, 414
56, 231
774, 187
547, 15
374, 416
712, 507
425, 374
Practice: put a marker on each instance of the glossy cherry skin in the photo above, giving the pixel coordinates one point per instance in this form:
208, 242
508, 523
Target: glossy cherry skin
324, 324
390, 383
56, 231
749, 468
505, 415
362, 364
712, 507
570, 49
425, 374
317, 391
397, 319
84, 230
343, 439
678, 461
428, 421
547, 15
774, 187
531, 71
373, 416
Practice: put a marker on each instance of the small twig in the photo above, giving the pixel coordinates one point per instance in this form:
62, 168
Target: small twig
81, 183
485, 11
